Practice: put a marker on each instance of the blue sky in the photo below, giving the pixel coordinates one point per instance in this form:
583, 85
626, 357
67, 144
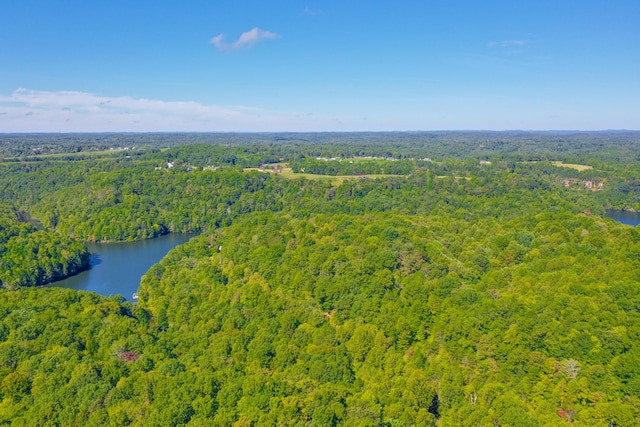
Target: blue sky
293, 65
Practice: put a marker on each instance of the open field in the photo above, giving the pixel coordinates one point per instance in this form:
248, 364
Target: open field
64, 156
456, 177
572, 166
334, 179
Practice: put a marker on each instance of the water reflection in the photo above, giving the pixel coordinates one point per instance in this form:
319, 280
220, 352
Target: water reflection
116, 268
625, 217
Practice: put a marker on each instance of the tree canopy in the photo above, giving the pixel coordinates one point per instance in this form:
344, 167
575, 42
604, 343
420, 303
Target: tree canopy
483, 286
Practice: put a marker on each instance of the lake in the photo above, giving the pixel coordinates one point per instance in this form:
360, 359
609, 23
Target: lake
116, 268
625, 217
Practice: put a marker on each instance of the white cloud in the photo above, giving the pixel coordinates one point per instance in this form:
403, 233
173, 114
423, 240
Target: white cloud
507, 43
27, 110
246, 39
312, 12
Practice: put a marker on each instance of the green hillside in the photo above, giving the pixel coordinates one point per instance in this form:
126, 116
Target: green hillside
502, 299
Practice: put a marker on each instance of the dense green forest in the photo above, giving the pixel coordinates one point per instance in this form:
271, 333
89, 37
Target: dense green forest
29, 256
478, 284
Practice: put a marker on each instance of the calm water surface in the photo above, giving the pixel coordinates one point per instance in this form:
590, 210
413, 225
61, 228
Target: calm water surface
625, 217
117, 267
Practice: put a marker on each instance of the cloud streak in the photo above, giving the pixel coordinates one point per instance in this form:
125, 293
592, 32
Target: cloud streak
312, 12
508, 43
246, 39
27, 110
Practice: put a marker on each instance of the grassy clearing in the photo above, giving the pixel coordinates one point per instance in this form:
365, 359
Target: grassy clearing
63, 156
360, 160
334, 179
577, 167
79, 154
449, 176
366, 159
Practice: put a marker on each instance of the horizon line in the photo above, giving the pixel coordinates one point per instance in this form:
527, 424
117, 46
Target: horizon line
324, 131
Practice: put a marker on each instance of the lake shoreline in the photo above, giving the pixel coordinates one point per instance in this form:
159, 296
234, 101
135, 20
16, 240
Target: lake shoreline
117, 267
627, 217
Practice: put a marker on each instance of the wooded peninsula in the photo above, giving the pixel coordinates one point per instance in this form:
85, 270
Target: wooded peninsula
358, 279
